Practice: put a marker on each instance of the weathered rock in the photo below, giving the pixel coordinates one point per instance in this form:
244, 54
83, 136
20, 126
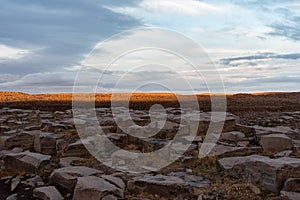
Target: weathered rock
115, 180
249, 131
23, 140
67, 177
61, 146
168, 186
34, 181
277, 130
233, 136
45, 143
290, 195
47, 193
26, 161
270, 173
275, 143
93, 188
221, 151
78, 148
292, 185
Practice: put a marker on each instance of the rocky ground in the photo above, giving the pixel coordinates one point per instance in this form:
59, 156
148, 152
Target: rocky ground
42, 157
256, 157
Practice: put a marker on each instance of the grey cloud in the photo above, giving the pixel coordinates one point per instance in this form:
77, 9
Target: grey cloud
59, 32
259, 56
287, 30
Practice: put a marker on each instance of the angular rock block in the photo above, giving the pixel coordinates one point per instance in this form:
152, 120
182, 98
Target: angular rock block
45, 143
67, 177
47, 193
275, 143
23, 140
26, 161
168, 186
94, 188
270, 173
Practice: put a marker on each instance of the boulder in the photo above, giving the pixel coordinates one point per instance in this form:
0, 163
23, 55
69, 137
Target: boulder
67, 177
26, 161
270, 173
47, 193
45, 143
275, 143
23, 140
169, 186
94, 188
233, 136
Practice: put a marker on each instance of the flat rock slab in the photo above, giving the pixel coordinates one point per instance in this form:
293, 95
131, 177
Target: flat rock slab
26, 161
168, 186
233, 136
270, 173
47, 193
67, 177
277, 130
94, 188
222, 151
275, 143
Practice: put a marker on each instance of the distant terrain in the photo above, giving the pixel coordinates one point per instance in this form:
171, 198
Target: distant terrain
250, 107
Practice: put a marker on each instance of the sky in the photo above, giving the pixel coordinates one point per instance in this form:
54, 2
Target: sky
250, 45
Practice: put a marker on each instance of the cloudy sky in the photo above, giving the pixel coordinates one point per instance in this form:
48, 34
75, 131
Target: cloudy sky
254, 45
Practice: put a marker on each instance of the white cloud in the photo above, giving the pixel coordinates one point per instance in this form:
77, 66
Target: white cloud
190, 7
7, 52
187, 7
